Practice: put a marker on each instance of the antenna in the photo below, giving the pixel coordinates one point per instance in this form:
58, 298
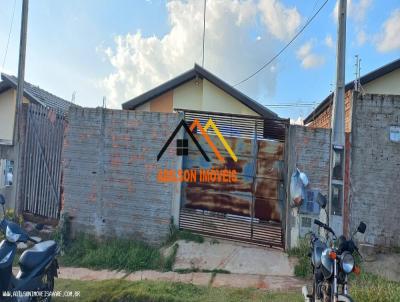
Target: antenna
356, 74
357, 82
104, 102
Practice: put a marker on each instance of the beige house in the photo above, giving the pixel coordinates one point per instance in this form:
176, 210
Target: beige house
32, 94
198, 89
384, 80
10, 152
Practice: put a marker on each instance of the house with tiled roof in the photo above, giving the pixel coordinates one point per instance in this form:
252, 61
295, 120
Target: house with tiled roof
11, 151
198, 89
32, 94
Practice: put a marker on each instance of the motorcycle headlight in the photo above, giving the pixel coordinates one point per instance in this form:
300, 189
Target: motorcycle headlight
347, 262
10, 236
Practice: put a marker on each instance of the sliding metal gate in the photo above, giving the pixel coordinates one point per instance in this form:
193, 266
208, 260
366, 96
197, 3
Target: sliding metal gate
42, 162
251, 209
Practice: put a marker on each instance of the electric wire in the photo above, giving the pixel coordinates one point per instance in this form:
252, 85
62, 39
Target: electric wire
9, 35
285, 47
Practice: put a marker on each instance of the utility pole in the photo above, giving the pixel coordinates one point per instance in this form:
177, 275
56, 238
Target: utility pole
20, 95
337, 153
204, 30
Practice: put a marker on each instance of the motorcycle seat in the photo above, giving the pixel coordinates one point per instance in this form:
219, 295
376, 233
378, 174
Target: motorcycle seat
32, 257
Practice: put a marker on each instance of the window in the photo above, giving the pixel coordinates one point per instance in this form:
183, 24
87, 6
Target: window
306, 222
182, 147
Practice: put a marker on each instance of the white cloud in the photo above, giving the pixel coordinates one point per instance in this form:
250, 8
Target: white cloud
389, 37
308, 58
141, 63
356, 10
281, 21
329, 41
361, 37
360, 10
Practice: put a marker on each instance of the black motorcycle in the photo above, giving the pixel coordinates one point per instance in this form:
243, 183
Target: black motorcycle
38, 265
332, 261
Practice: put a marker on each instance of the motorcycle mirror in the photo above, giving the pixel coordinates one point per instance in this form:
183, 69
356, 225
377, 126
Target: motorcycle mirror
321, 200
361, 227
2, 200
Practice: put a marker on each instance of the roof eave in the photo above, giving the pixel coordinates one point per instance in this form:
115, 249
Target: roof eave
202, 73
369, 77
26, 93
159, 90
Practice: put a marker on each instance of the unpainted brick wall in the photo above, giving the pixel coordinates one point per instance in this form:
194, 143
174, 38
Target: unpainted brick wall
110, 165
323, 120
375, 168
308, 150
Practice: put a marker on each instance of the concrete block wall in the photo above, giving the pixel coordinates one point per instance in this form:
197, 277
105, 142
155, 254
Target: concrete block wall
109, 179
307, 149
375, 168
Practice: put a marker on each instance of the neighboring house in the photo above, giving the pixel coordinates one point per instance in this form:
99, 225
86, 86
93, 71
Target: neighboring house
372, 117
384, 80
10, 152
32, 94
198, 89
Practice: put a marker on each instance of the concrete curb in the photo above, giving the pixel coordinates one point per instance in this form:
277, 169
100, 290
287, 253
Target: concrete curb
196, 278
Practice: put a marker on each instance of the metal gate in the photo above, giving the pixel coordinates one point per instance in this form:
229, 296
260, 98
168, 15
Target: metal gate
251, 209
41, 179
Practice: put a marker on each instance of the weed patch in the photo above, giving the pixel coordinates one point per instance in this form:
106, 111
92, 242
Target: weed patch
153, 291
116, 254
303, 267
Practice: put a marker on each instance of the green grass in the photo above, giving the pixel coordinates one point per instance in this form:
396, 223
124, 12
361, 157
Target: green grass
150, 291
115, 254
196, 270
371, 288
365, 288
303, 267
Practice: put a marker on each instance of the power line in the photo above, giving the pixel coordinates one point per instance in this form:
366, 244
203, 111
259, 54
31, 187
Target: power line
204, 29
286, 46
291, 105
9, 35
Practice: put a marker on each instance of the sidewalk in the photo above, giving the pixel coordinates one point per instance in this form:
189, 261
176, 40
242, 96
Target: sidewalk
204, 279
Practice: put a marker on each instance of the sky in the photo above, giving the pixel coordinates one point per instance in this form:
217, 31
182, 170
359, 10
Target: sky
119, 49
